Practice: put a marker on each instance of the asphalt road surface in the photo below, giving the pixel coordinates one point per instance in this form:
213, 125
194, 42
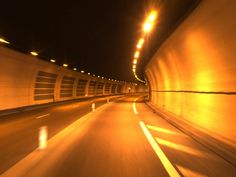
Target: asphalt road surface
120, 139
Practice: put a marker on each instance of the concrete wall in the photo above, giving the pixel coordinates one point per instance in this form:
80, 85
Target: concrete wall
26, 80
193, 74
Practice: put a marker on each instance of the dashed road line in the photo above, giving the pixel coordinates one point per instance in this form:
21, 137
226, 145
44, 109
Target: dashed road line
45, 115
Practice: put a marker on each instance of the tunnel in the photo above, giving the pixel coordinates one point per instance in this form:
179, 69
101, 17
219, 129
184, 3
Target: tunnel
178, 121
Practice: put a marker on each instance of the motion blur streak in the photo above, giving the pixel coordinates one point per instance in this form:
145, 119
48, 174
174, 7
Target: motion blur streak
180, 147
188, 172
162, 130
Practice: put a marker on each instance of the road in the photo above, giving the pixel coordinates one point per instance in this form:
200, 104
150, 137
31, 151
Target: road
120, 139
19, 131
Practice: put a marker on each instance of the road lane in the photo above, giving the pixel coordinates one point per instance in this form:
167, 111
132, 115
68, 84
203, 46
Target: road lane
19, 132
188, 156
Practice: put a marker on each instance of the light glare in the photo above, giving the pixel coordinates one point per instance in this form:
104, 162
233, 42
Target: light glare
52, 60
34, 53
136, 55
152, 16
4, 41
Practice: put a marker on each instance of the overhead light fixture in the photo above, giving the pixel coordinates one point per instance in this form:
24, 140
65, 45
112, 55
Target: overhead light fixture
65, 65
148, 25
4, 41
74, 69
52, 60
140, 43
152, 16
136, 55
34, 53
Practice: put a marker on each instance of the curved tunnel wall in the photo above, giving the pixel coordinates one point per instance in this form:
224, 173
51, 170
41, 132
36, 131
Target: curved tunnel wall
26, 80
193, 75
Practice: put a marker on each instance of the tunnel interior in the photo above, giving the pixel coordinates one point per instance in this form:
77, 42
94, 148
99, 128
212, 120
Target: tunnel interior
192, 75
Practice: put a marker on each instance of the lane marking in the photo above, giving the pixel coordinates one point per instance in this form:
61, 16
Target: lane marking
43, 137
93, 107
39, 117
164, 160
134, 106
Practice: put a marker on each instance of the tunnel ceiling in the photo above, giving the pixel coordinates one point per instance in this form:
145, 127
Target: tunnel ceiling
95, 36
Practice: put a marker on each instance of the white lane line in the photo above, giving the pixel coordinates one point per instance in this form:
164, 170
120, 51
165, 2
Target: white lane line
39, 117
134, 106
165, 161
43, 137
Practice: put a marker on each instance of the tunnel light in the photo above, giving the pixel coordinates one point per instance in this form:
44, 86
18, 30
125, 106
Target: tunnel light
102, 77
4, 41
34, 53
89, 73
140, 43
134, 70
134, 66
135, 61
94, 75
98, 76
136, 55
65, 65
148, 25
82, 71
152, 16
52, 60
75, 69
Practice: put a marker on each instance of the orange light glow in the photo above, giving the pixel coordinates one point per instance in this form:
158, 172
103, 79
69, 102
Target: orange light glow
136, 55
65, 65
148, 25
135, 61
152, 16
134, 66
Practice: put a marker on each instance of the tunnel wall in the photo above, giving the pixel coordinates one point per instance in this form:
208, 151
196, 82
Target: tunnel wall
192, 76
26, 80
